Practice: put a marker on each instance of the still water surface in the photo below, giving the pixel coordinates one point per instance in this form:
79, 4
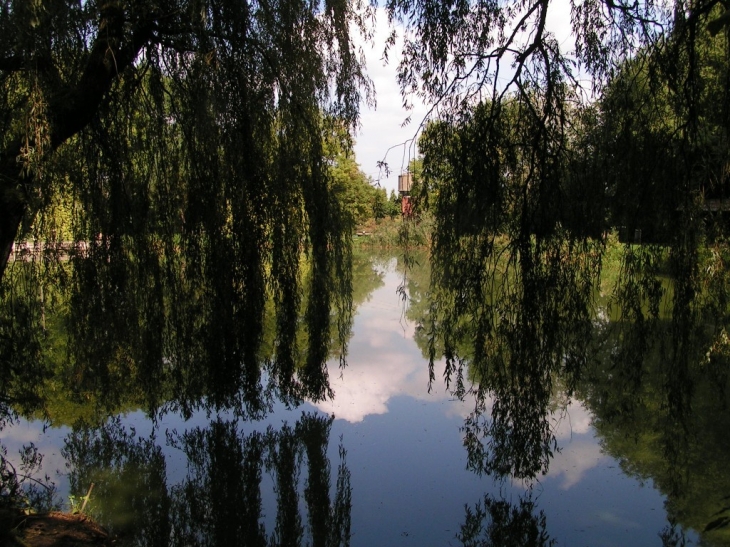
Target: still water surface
396, 447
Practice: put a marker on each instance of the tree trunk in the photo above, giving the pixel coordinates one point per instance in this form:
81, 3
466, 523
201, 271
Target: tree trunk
12, 204
115, 48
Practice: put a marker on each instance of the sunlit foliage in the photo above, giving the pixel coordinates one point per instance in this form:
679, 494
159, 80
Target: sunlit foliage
182, 146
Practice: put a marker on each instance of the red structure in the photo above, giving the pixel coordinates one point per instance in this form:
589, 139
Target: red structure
405, 182
405, 206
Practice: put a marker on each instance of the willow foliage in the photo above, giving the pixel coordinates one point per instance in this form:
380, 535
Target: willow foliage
527, 169
185, 140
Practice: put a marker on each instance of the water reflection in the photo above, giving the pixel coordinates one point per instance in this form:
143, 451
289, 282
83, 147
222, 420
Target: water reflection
129, 477
147, 332
383, 363
93, 346
497, 522
682, 448
648, 363
406, 445
220, 500
513, 335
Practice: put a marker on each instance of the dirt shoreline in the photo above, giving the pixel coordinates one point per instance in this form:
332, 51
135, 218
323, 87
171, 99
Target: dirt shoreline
56, 529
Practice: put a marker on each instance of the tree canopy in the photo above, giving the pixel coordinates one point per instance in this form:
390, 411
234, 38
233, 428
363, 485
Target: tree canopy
185, 141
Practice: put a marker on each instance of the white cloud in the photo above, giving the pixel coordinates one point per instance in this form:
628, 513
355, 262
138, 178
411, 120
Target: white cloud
579, 451
573, 420
574, 461
384, 361
558, 23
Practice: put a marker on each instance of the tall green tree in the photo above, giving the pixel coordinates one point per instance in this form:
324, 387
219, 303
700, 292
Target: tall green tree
350, 186
394, 205
495, 70
188, 140
215, 92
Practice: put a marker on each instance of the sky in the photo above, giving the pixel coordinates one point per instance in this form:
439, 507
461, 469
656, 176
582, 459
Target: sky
382, 127
382, 135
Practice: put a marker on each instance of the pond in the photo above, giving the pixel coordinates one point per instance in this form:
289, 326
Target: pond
386, 462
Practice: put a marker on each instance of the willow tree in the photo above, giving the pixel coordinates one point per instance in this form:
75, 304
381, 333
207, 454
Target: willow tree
183, 142
519, 180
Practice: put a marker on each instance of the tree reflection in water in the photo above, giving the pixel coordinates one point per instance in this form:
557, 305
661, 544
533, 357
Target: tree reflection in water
655, 380
497, 523
115, 333
111, 334
510, 335
220, 500
649, 358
